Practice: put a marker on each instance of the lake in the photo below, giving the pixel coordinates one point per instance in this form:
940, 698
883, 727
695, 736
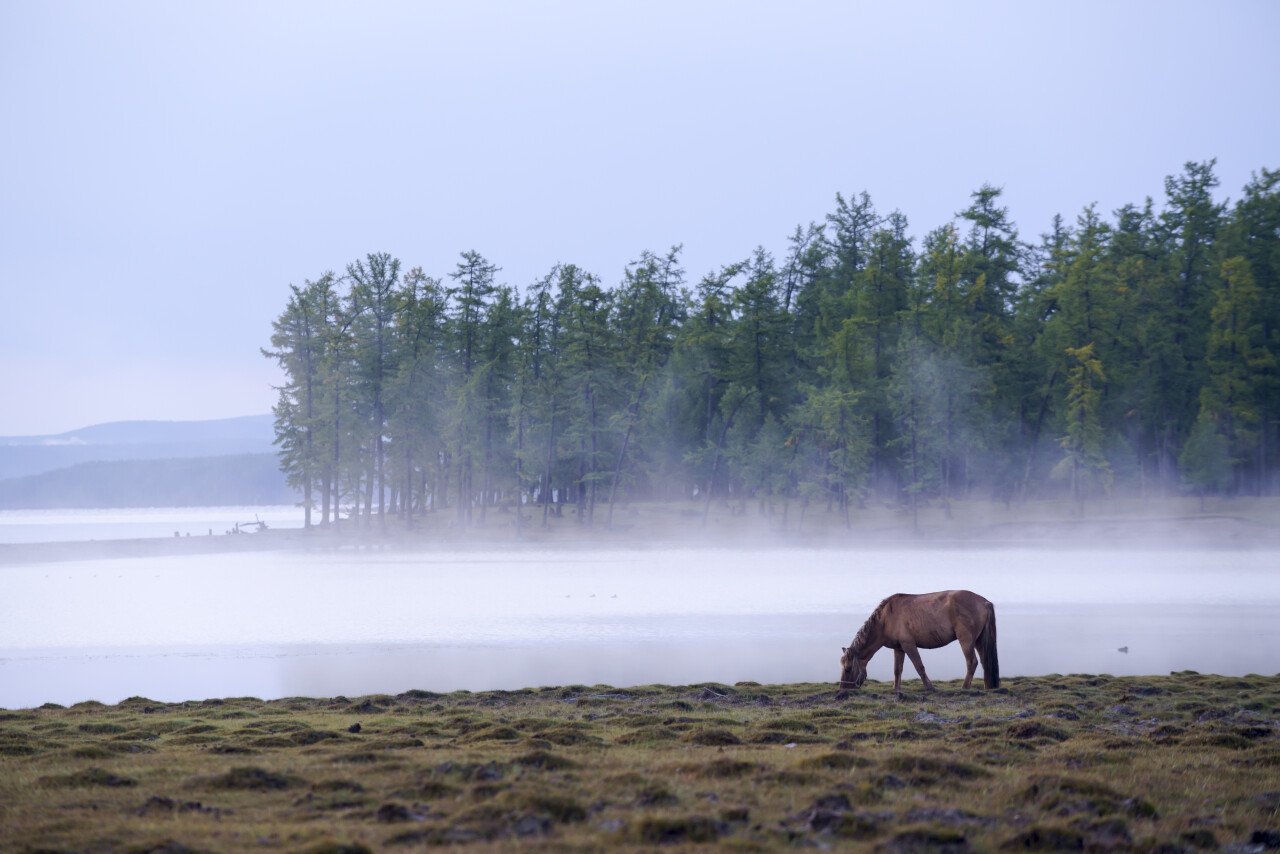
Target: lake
321, 623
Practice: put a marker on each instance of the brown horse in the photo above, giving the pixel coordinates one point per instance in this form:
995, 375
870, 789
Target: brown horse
907, 622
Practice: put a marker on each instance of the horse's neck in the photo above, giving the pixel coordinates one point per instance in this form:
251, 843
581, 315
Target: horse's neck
870, 638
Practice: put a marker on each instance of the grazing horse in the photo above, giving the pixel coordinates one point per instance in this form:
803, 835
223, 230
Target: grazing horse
907, 622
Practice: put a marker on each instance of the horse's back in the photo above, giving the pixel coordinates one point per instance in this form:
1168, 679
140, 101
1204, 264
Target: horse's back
965, 600
939, 594
969, 599
932, 620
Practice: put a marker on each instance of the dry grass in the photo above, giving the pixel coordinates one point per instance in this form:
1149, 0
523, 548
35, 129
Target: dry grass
1177, 763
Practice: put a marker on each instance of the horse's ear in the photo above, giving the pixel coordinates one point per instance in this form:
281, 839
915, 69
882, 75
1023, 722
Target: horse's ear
844, 649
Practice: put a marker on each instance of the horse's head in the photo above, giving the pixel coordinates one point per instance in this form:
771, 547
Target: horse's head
853, 671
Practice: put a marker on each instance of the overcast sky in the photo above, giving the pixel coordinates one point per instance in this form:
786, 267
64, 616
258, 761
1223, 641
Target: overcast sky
169, 169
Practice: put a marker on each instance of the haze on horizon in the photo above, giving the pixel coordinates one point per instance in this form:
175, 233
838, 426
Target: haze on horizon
170, 170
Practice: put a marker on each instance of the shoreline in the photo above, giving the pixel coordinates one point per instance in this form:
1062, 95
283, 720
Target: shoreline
1167, 531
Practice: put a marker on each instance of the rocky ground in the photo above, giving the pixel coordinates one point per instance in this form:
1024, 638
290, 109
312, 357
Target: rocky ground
1182, 762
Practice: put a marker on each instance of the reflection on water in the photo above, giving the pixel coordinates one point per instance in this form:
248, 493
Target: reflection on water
58, 526
278, 624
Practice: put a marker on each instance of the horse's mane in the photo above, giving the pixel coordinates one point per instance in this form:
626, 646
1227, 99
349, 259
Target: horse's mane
863, 637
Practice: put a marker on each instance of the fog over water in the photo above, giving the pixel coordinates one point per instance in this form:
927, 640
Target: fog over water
317, 623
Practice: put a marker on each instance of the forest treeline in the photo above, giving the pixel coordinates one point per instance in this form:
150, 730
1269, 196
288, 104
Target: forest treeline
1133, 353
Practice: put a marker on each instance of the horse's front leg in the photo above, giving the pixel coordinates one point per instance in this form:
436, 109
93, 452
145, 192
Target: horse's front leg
914, 655
898, 656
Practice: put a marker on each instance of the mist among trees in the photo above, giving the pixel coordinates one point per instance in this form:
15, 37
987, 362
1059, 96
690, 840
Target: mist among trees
1132, 353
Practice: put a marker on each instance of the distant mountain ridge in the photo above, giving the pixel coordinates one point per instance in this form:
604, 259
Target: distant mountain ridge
244, 479
21, 456
247, 427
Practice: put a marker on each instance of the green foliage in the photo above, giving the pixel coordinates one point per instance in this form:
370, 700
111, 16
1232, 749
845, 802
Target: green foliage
1084, 462
857, 368
1240, 365
1206, 457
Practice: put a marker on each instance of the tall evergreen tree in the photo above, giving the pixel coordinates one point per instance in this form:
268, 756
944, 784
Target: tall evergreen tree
1084, 462
647, 314
1191, 221
470, 302
1240, 366
374, 280
297, 342
1253, 233
415, 421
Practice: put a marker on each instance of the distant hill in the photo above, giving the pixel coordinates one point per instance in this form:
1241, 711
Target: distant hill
253, 427
190, 482
136, 440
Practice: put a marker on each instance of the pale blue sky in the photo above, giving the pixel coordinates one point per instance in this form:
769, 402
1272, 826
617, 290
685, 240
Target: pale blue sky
169, 168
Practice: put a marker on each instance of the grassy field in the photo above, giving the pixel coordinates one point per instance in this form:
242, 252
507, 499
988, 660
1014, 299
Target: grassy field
1181, 762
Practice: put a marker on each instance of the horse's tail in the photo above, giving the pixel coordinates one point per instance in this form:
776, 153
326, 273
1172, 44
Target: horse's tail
987, 642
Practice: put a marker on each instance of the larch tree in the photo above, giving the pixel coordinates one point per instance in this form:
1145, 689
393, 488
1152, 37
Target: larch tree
646, 316
470, 301
374, 280
1083, 461
1240, 366
296, 341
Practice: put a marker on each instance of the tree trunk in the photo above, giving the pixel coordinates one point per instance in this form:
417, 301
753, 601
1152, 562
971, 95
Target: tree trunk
617, 469
519, 496
551, 451
1035, 434
487, 483
368, 498
324, 498
406, 508
715, 460
591, 466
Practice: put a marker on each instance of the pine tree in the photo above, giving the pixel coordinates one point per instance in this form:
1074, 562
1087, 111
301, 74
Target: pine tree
918, 401
941, 313
1253, 233
1083, 462
415, 420
588, 350
374, 280
647, 315
297, 349
992, 278
538, 398
470, 301
1191, 221
1206, 458
1240, 366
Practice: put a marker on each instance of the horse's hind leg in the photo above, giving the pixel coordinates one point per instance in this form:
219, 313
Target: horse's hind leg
970, 662
914, 655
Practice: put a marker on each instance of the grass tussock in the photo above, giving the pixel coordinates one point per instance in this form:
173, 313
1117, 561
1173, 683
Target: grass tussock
1076, 762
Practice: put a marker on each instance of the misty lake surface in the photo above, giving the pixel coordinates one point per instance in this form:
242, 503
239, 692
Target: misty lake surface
323, 623
58, 526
